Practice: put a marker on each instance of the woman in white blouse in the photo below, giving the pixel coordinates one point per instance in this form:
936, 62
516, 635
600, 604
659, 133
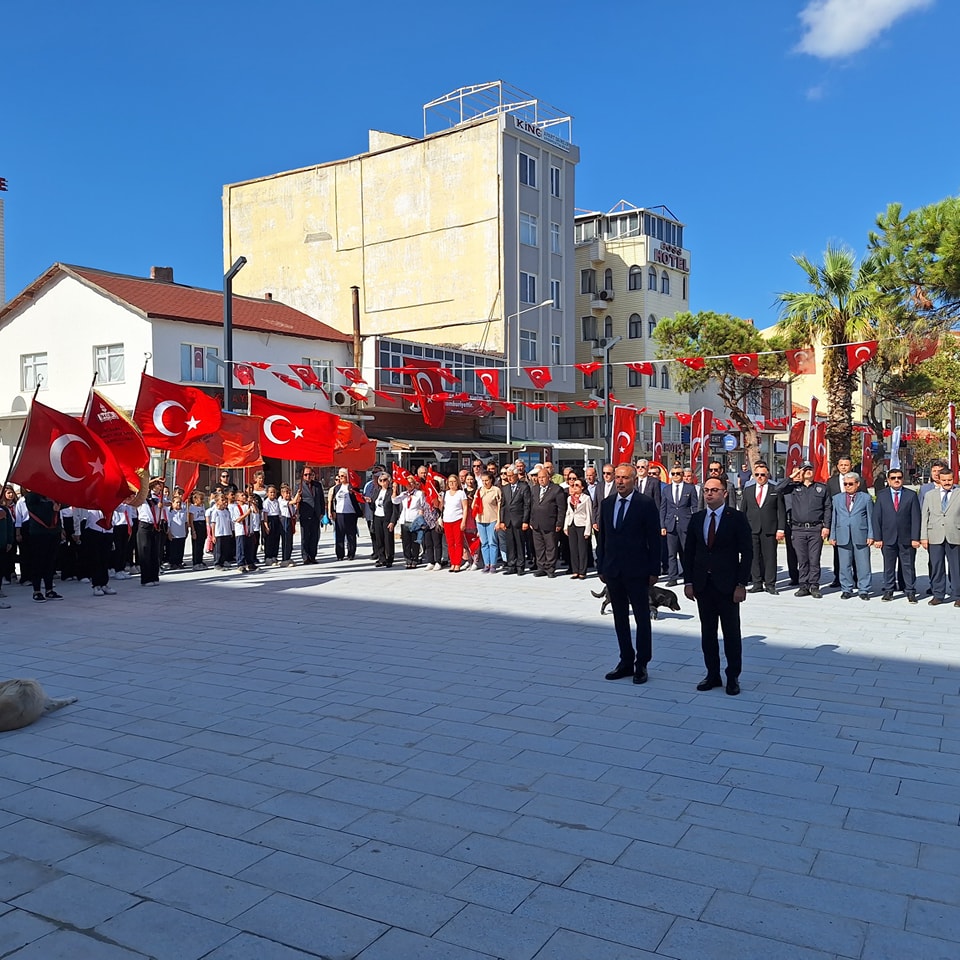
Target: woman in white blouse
454, 521
411, 505
578, 526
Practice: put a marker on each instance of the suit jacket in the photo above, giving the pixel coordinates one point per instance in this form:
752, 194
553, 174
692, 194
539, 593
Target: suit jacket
937, 526
515, 506
304, 510
896, 526
633, 548
650, 488
852, 526
391, 510
675, 516
769, 518
727, 565
547, 515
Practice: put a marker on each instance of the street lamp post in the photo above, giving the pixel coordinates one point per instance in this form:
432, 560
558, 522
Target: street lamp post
604, 351
507, 351
238, 265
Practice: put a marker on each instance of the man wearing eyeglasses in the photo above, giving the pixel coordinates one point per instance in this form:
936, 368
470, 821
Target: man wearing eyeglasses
648, 485
765, 510
677, 506
811, 508
940, 535
852, 535
835, 486
896, 523
309, 501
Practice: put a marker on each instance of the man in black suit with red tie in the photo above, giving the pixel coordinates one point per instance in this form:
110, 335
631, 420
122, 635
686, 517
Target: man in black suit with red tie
765, 510
628, 562
717, 559
896, 527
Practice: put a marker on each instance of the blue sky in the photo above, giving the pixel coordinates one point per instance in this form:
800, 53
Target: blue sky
770, 127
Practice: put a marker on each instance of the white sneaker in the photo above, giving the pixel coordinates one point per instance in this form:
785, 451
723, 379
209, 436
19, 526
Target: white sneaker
98, 591
121, 575
109, 591
85, 580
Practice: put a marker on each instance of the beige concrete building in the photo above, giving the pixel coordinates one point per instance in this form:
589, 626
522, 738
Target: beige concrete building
632, 270
460, 237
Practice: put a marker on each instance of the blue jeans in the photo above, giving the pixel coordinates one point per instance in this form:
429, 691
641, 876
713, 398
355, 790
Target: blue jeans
489, 548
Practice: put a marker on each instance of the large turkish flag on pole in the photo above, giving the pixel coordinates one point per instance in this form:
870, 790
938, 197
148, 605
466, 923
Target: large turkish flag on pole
624, 435
170, 415
798, 434
291, 432
61, 459
700, 441
120, 435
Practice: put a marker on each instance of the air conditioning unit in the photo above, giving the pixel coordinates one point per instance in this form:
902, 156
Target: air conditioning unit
340, 398
606, 295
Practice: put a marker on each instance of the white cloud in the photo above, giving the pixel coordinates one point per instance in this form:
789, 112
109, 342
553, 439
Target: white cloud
817, 92
838, 28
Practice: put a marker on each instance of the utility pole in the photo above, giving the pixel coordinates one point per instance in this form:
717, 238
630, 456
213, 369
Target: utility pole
238, 265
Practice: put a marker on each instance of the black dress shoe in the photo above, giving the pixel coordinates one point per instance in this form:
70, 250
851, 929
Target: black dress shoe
508, 573
619, 672
912, 598
834, 583
772, 591
864, 596
640, 676
756, 588
845, 595
936, 601
551, 576
815, 592
794, 583
539, 573
887, 597
709, 683
733, 688
803, 592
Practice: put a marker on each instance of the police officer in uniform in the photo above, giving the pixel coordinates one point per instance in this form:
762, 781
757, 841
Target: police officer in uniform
811, 515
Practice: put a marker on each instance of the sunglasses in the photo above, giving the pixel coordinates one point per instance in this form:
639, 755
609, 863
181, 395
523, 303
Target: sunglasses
676, 473
850, 483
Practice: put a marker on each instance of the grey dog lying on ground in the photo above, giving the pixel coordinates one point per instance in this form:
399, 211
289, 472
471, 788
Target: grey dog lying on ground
659, 597
23, 701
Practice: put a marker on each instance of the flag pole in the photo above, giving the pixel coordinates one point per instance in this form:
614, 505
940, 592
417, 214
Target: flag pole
23, 430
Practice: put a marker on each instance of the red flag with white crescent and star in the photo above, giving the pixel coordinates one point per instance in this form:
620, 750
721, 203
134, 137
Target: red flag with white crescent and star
351, 373
860, 353
120, 435
288, 380
539, 376
309, 376
291, 432
798, 434
748, 363
589, 368
244, 374
952, 454
63, 460
821, 465
803, 360
624, 434
866, 461
642, 367
700, 441
658, 440
401, 475
923, 349
426, 381
490, 378
168, 414
693, 363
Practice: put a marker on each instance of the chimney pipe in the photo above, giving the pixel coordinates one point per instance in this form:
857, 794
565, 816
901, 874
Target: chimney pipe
163, 274
268, 296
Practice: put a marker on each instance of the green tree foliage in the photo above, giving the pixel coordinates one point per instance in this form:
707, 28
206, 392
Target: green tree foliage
719, 335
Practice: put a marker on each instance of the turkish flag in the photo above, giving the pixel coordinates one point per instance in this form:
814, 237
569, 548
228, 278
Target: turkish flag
663, 420
818, 453
426, 380
801, 361
354, 395
288, 380
748, 363
657, 441
185, 476
490, 378
952, 454
684, 418
353, 449
401, 475
120, 435
866, 462
589, 368
308, 375
351, 373
539, 376
63, 460
291, 432
860, 353
700, 441
170, 415
624, 434
259, 364
923, 349
795, 447
694, 363
510, 406
244, 374
642, 367
235, 444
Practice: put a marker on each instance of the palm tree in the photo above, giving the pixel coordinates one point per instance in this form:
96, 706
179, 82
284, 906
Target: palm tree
838, 308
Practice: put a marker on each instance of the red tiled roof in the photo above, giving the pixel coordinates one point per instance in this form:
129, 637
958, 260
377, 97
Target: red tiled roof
174, 301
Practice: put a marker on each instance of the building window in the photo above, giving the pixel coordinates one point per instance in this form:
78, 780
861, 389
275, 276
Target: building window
635, 327
591, 380
634, 379
555, 246
664, 282
575, 428
608, 327
528, 229
33, 370
516, 397
635, 278
754, 404
555, 293
108, 361
556, 350
588, 328
582, 232
323, 369
665, 377
555, 181
198, 364
528, 288
651, 279
684, 287
528, 170
778, 402
651, 325
540, 416
652, 381
588, 281
608, 279
528, 346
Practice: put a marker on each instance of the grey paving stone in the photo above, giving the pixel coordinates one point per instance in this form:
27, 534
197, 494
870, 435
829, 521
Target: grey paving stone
694, 940
162, 932
934, 919
74, 900
245, 946
18, 928
206, 850
115, 865
403, 945
206, 894
494, 889
19, 875
501, 935
865, 845
311, 927
605, 845
145, 799
43, 842
404, 865
888, 877
885, 943
566, 945
708, 869
300, 876
73, 945
513, 857
311, 809
50, 806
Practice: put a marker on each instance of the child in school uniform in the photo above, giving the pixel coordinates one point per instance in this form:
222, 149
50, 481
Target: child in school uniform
197, 525
252, 538
96, 545
288, 524
270, 525
240, 513
176, 532
221, 522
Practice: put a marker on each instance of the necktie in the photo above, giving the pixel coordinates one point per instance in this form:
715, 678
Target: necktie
759, 494
620, 511
849, 501
896, 499
946, 497
712, 532
676, 493
543, 490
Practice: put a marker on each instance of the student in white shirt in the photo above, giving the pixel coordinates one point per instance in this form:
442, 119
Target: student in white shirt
177, 520
270, 526
197, 525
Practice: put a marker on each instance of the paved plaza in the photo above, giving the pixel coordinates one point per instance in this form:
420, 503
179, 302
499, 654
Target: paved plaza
345, 762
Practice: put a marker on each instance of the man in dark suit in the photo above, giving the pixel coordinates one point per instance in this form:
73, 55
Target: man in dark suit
309, 501
548, 507
514, 518
647, 485
835, 486
896, 529
718, 557
677, 505
714, 469
628, 562
764, 509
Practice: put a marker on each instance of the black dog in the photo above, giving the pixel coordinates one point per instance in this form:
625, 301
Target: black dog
659, 597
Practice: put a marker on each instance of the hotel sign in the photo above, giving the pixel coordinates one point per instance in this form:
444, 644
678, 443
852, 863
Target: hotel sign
540, 133
668, 255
